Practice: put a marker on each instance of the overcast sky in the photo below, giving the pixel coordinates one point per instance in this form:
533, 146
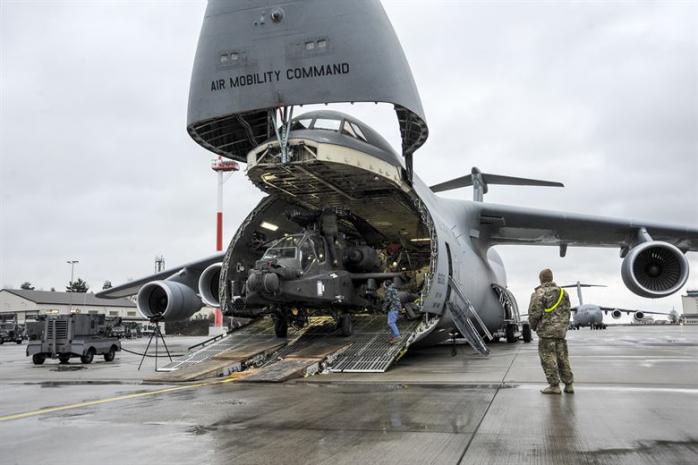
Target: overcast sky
96, 164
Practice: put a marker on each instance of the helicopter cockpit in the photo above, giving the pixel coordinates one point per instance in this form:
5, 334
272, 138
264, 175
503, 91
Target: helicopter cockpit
297, 251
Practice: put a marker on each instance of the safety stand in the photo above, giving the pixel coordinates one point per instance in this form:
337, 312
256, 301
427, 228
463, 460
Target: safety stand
157, 334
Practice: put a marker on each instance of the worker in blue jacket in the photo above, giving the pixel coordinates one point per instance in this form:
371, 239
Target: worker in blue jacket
391, 304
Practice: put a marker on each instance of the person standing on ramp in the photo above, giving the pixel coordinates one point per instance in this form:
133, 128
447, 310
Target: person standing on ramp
391, 304
549, 316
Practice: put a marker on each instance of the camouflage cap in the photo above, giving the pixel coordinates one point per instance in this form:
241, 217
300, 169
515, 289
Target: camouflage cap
546, 276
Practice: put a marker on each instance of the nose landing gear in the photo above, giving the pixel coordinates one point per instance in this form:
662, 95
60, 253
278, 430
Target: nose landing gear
280, 318
345, 325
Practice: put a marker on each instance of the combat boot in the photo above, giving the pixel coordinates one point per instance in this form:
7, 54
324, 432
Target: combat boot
552, 389
569, 388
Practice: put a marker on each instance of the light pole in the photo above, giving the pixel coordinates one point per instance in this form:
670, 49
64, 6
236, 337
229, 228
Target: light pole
72, 268
221, 166
228, 167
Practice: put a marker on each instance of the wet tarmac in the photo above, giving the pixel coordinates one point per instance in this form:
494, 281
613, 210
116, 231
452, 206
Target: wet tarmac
636, 403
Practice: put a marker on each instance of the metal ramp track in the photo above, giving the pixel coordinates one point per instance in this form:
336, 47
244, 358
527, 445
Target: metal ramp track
463, 322
259, 331
370, 351
318, 343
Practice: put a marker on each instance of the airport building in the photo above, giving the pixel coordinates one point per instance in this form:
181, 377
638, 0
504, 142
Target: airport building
689, 302
28, 304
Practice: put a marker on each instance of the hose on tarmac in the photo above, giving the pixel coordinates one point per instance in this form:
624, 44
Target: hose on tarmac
151, 356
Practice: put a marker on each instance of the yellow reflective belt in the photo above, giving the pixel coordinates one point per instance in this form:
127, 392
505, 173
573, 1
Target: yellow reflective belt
548, 310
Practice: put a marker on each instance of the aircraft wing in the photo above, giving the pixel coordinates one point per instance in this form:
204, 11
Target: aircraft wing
630, 312
519, 225
132, 287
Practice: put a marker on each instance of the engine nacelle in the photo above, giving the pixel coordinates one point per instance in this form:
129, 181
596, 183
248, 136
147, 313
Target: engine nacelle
616, 314
209, 282
638, 316
167, 301
654, 269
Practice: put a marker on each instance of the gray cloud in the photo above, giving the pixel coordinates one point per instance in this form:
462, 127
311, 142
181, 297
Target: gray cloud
96, 165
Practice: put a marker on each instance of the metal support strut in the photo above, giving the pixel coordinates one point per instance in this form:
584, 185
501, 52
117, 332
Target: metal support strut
284, 120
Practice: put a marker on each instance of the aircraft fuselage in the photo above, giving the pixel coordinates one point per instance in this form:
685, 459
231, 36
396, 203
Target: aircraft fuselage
588, 315
355, 188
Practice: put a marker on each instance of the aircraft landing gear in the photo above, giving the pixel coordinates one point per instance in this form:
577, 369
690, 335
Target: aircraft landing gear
345, 325
281, 323
511, 332
526, 333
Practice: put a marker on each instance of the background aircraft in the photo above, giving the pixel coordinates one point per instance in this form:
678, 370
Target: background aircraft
591, 315
254, 64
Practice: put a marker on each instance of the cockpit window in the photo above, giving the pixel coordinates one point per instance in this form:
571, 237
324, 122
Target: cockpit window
358, 131
319, 244
353, 130
283, 248
307, 254
331, 124
301, 124
348, 130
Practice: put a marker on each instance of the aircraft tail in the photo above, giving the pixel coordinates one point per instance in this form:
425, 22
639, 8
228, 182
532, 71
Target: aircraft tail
480, 182
583, 285
579, 287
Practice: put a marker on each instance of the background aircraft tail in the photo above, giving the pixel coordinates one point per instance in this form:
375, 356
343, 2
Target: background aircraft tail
579, 287
480, 182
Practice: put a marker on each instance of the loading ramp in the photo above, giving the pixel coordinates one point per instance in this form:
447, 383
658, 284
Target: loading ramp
316, 348
366, 351
236, 351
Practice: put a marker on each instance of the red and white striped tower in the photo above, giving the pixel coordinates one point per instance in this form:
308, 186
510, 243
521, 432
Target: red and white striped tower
221, 166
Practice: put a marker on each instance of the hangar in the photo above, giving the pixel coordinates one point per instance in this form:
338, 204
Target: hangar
32, 303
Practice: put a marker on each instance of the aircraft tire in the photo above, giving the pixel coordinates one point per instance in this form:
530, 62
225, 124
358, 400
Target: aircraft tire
64, 359
346, 326
511, 333
38, 359
281, 324
526, 333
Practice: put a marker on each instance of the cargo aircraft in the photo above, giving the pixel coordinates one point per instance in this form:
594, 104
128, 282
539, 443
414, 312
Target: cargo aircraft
591, 315
344, 212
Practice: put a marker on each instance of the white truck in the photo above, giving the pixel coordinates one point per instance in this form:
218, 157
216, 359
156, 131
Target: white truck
67, 336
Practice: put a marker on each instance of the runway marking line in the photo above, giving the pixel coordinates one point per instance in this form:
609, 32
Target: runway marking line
89, 403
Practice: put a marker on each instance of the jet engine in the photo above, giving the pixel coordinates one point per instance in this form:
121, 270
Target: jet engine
167, 300
209, 285
638, 315
616, 314
654, 269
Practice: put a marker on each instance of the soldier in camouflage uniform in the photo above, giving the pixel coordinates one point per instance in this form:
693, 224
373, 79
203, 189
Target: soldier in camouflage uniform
549, 316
